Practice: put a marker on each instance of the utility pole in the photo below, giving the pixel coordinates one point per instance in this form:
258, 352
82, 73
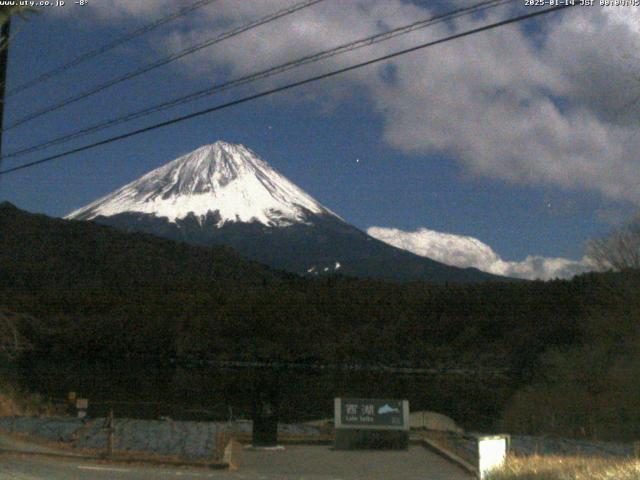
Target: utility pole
4, 57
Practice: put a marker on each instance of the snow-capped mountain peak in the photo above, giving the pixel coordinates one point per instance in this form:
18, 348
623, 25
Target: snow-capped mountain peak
222, 177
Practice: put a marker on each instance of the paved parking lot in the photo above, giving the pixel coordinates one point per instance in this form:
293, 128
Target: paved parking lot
293, 463
323, 463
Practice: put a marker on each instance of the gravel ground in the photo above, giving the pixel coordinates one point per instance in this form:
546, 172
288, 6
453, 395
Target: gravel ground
197, 440
193, 440
55, 429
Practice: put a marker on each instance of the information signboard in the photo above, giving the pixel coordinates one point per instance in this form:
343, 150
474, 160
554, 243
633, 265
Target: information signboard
82, 404
371, 414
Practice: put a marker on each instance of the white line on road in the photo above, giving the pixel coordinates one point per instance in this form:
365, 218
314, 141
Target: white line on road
190, 474
104, 469
166, 473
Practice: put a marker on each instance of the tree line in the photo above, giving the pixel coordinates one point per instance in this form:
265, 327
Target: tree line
94, 292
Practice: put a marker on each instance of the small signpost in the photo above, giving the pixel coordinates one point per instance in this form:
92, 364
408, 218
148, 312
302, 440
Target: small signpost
71, 405
371, 423
109, 428
265, 409
265, 425
82, 404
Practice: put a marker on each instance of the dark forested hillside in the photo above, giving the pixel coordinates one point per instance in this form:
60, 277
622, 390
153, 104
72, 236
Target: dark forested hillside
86, 291
110, 291
41, 252
104, 292
308, 249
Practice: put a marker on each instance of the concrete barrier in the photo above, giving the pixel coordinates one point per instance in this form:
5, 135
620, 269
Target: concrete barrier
427, 420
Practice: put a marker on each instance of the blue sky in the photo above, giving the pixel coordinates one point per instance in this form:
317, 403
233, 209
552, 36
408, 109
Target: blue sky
483, 137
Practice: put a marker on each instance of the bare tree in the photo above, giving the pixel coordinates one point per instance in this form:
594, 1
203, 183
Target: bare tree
620, 250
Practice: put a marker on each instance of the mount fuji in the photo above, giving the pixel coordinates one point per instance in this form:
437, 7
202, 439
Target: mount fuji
224, 194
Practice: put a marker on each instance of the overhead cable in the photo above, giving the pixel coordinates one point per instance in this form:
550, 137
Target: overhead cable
288, 86
109, 46
262, 74
163, 61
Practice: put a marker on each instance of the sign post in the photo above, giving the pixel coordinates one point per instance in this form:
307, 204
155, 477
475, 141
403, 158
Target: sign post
82, 405
371, 423
110, 429
265, 409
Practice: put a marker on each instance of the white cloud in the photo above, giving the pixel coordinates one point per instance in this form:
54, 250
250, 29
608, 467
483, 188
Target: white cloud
555, 108
463, 251
509, 110
117, 10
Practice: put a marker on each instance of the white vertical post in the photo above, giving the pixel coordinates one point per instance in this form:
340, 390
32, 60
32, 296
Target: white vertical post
492, 453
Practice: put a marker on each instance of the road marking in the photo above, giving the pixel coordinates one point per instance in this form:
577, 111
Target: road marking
104, 469
190, 474
180, 473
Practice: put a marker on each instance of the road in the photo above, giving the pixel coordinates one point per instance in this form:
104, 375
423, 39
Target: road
23, 467
294, 463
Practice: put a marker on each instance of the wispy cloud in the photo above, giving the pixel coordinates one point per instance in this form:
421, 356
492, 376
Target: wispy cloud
463, 251
555, 105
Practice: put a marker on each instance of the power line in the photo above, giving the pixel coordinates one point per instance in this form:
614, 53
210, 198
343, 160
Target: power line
109, 46
318, 56
165, 61
288, 87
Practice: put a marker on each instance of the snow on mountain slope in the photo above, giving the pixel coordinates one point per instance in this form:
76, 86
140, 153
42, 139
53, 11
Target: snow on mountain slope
223, 194
222, 177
